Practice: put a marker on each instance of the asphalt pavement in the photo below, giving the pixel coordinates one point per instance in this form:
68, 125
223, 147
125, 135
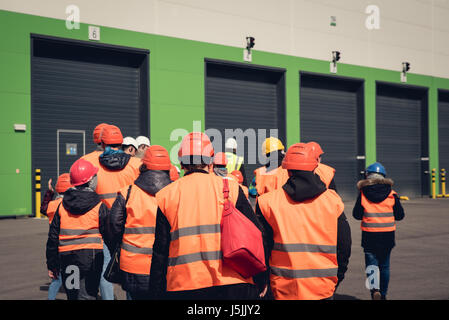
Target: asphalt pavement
419, 262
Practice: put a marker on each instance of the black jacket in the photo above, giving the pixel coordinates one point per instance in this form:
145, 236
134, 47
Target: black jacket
114, 161
377, 190
159, 263
77, 202
304, 185
151, 182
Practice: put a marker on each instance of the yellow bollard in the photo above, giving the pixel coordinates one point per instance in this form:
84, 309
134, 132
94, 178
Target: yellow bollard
433, 184
38, 193
443, 183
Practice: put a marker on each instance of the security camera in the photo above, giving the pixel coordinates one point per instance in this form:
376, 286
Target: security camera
405, 67
250, 43
335, 56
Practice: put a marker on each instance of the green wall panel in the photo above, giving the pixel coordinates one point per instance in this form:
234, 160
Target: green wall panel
176, 91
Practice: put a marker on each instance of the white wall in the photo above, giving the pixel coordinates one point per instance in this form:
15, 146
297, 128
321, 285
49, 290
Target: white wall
416, 31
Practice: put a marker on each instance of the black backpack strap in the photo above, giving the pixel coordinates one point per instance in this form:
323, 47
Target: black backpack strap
127, 195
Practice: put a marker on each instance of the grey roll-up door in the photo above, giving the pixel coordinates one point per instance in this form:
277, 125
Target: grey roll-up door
331, 113
443, 131
247, 98
74, 88
401, 133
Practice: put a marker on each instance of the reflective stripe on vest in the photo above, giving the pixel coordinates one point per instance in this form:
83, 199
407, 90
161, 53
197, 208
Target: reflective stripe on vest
110, 182
303, 260
234, 161
269, 181
79, 231
138, 237
193, 207
51, 209
302, 274
326, 173
378, 217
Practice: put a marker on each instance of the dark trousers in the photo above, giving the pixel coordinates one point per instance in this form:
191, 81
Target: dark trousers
381, 259
82, 284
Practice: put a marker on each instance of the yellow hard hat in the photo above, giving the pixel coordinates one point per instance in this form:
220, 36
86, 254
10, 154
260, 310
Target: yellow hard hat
272, 144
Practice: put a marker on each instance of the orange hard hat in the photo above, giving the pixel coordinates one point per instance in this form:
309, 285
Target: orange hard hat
97, 132
316, 148
63, 183
196, 145
174, 174
157, 158
238, 175
82, 172
300, 156
220, 159
111, 135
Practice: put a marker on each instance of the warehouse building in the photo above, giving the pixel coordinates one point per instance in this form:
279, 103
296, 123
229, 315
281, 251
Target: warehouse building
368, 80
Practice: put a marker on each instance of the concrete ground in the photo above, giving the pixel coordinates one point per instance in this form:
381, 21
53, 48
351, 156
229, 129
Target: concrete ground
419, 262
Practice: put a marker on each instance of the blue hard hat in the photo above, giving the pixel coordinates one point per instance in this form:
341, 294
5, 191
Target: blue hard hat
376, 167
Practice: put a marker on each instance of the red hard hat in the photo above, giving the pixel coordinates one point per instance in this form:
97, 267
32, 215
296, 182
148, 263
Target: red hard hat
316, 148
157, 158
300, 156
196, 144
238, 175
82, 172
111, 135
220, 159
97, 132
174, 174
63, 183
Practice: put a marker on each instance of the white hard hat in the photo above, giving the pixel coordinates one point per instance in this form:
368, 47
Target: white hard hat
231, 144
143, 140
130, 141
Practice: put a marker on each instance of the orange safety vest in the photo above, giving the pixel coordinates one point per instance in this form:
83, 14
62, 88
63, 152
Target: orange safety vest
326, 173
93, 157
269, 181
378, 217
193, 207
138, 238
79, 231
303, 261
51, 209
110, 182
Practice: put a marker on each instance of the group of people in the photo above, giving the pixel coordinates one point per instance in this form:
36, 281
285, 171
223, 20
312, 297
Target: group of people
164, 231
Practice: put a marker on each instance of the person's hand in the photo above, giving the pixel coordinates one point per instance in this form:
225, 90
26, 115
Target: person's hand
264, 292
50, 187
53, 274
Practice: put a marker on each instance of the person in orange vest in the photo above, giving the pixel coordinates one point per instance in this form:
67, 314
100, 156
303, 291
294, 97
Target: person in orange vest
378, 206
75, 240
326, 173
48, 208
133, 221
271, 176
239, 177
92, 157
51, 198
187, 260
309, 236
116, 170
219, 164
